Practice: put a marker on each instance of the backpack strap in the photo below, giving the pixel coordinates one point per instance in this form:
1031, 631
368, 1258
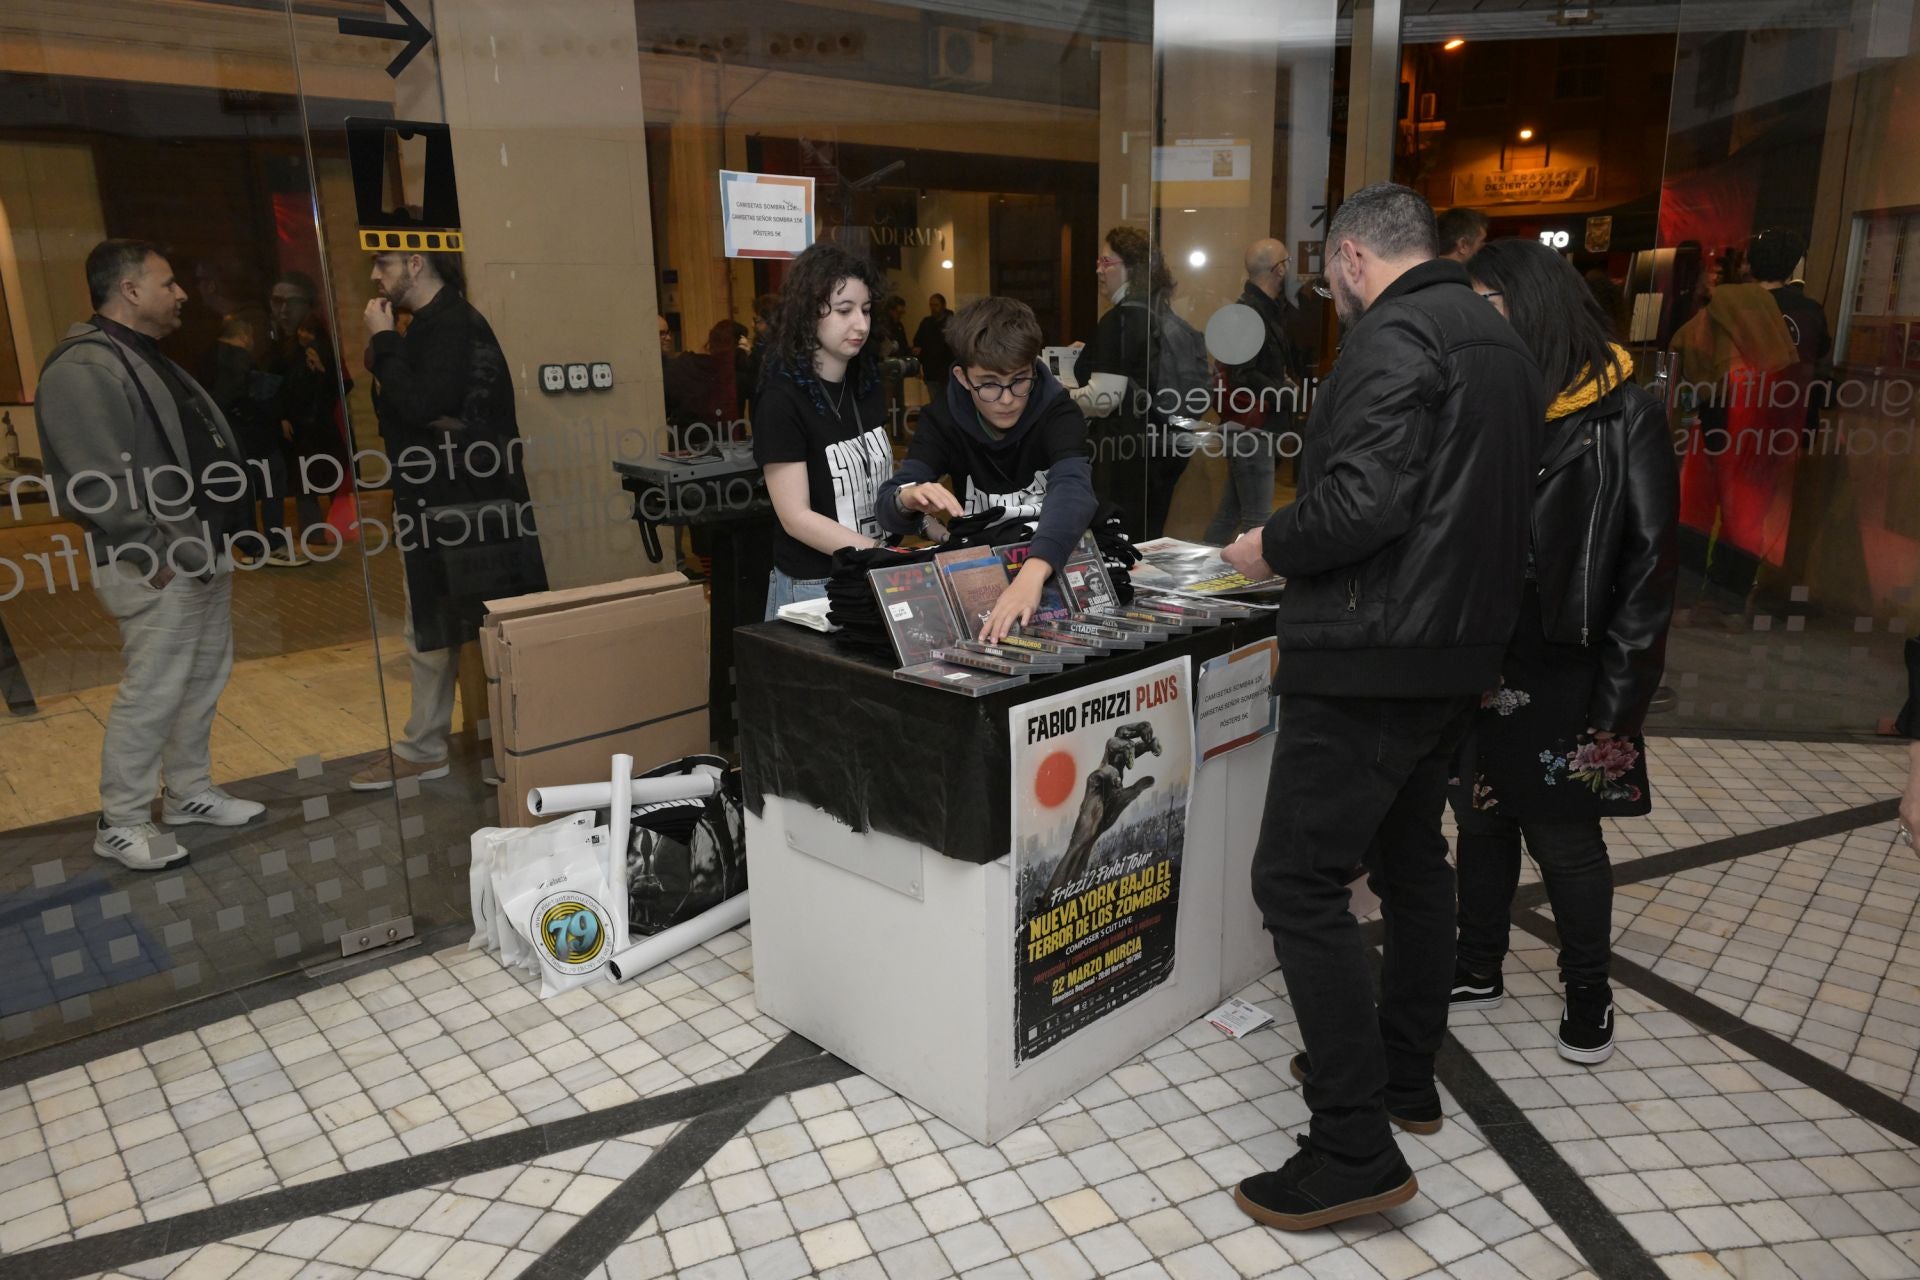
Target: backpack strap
146, 401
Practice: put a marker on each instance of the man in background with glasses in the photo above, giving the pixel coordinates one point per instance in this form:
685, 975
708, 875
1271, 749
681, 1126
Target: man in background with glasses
1261, 397
1007, 435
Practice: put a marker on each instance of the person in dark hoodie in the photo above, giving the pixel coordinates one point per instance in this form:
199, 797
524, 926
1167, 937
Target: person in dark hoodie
1006, 434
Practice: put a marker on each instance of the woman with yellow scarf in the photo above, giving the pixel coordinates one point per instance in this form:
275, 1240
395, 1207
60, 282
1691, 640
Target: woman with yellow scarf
1556, 747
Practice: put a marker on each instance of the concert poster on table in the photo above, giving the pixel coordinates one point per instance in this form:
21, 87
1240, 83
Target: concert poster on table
1101, 777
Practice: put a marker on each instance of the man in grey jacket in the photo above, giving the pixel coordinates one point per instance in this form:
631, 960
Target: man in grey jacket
143, 461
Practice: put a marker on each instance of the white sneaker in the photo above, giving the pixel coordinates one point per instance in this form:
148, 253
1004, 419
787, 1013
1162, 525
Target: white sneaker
213, 806
286, 559
142, 846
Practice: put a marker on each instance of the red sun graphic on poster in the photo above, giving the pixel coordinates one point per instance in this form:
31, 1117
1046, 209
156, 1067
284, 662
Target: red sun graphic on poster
1053, 780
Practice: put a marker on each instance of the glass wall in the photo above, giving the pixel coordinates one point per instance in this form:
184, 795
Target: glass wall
177, 605
1798, 507
1152, 180
1242, 182
1665, 148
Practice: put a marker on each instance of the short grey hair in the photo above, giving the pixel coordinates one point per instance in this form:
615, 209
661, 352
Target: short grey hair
1390, 220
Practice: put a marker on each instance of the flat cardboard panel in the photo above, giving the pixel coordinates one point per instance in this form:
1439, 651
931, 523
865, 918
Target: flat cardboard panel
603, 667
568, 597
591, 761
490, 660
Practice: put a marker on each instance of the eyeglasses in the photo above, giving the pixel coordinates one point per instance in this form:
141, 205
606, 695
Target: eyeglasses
1322, 287
1490, 294
991, 392
1103, 262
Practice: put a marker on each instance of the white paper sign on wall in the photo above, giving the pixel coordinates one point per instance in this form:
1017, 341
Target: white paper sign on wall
765, 215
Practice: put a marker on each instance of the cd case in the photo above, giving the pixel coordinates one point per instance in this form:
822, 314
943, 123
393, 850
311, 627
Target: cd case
987, 662
915, 607
964, 681
1084, 578
974, 578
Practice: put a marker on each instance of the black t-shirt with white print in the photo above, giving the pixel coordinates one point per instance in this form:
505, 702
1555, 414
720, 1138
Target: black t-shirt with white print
847, 453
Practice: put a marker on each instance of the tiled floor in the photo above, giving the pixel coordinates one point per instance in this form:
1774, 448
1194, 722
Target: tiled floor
1702, 1159
475, 1228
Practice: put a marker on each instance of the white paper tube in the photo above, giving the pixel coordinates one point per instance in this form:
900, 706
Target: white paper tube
620, 788
662, 947
552, 801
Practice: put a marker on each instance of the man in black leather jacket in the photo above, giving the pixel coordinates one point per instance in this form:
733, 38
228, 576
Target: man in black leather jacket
1404, 555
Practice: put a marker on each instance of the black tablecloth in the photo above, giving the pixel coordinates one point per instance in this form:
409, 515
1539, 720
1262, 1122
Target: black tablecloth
830, 727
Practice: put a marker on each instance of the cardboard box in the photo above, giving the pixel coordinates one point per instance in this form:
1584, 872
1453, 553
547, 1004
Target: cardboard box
498, 611
576, 676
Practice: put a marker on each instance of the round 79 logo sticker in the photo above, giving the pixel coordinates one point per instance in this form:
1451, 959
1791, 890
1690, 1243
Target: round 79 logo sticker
572, 929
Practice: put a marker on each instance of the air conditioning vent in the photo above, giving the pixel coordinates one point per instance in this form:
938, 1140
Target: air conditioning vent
962, 59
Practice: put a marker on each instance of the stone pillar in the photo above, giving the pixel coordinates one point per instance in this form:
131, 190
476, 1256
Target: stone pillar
550, 147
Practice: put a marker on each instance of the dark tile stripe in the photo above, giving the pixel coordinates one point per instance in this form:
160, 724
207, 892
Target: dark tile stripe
1606, 1245
614, 1220
793, 1064
1856, 1096
1744, 845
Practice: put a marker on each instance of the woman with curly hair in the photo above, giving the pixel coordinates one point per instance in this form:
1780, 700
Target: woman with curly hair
820, 420
1555, 748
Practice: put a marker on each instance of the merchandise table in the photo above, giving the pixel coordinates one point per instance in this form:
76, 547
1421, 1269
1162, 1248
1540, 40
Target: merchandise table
878, 849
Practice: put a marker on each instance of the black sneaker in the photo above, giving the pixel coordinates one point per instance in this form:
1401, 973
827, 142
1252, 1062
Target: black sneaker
1314, 1190
1586, 1027
1471, 991
1423, 1119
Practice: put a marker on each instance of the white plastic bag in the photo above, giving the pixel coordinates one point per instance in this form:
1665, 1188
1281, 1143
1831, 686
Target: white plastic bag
553, 891
483, 845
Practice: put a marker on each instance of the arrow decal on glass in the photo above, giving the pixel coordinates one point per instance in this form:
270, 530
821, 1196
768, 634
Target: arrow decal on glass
409, 28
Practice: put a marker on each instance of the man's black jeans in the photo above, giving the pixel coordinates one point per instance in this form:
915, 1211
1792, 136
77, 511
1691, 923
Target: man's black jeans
1573, 862
1362, 781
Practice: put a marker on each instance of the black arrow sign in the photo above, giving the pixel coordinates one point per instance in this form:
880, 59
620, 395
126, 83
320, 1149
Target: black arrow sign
409, 28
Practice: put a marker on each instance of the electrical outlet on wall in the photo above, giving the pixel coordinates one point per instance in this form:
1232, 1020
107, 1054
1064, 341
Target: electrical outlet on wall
577, 379
553, 378
602, 374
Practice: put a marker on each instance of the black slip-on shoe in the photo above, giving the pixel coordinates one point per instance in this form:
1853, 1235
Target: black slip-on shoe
1314, 1190
1586, 1026
1473, 991
1424, 1119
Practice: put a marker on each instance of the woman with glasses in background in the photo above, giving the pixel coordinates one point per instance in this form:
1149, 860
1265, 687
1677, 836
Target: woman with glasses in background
1555, 748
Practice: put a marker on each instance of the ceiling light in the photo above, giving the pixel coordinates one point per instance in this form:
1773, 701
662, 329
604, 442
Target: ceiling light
1453, 44
946, 264
1526, 135
1198, 258
1189, 211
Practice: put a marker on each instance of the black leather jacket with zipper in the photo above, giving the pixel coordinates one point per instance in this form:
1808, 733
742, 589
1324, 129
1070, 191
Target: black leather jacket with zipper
1605, 504
1405, 548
